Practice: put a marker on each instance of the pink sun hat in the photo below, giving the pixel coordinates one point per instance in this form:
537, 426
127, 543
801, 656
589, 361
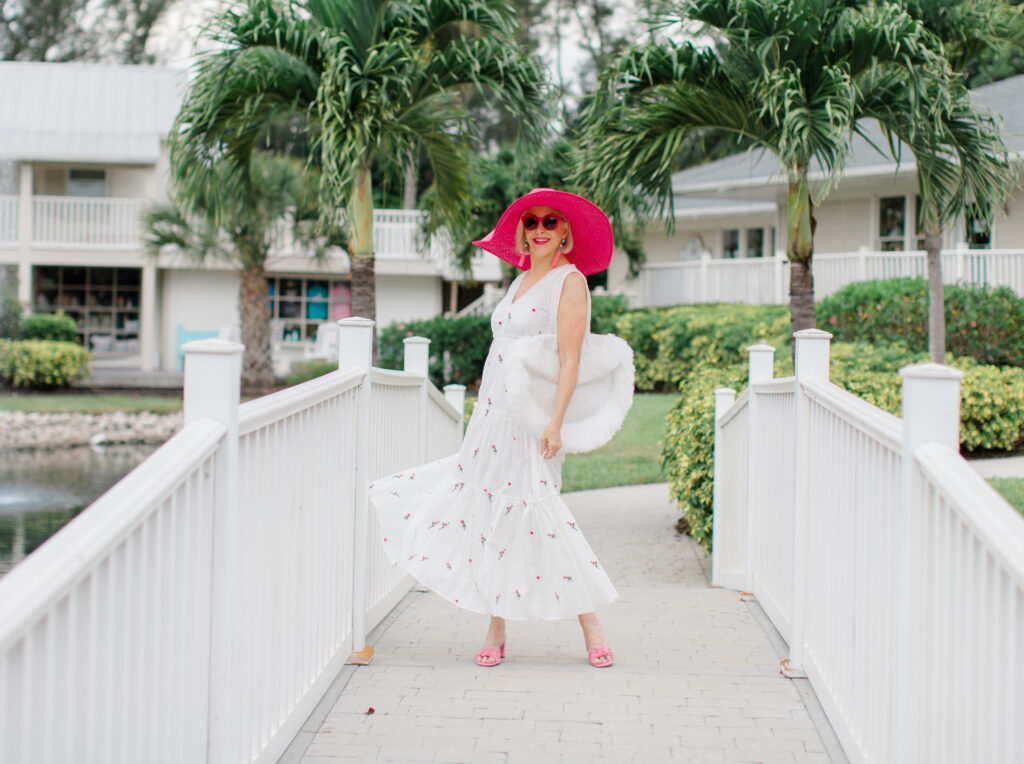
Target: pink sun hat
592, 241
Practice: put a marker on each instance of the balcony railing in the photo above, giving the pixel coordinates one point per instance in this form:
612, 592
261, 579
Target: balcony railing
77, 223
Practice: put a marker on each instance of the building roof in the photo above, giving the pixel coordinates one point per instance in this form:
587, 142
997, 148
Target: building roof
758, 169
93, 113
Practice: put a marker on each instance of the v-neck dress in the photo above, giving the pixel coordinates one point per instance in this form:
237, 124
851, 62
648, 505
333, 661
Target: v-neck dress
486, 528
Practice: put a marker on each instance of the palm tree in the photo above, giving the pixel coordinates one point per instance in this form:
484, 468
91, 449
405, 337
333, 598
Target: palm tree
967, 30
236, 223
793, 77
372, 82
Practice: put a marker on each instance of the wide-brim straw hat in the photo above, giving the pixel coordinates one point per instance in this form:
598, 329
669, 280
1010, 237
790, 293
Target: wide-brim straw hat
592, 241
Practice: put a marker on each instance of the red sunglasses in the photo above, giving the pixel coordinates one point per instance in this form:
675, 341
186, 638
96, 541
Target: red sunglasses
550, 222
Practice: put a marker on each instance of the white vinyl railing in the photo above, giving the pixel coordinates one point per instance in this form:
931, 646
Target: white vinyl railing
765, 281
894, 573
69, 222
199, 610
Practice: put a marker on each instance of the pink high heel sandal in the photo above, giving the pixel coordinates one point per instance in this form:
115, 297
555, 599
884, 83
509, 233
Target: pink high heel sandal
490, 652
601, 652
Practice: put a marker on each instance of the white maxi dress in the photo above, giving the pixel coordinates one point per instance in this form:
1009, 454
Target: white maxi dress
486, 528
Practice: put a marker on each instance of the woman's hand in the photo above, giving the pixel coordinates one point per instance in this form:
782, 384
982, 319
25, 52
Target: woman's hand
551, 440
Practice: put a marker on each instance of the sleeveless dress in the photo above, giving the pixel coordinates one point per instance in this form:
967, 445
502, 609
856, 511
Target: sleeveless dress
486, 528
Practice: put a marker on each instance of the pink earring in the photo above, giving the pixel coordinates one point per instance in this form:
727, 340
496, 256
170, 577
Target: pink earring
522, 258
558, 255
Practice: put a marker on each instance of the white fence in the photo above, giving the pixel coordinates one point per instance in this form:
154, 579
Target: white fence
894, 572
765, 281
8, 221
199, 610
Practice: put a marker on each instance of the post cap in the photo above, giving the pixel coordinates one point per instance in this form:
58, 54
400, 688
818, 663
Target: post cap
356, 321
213, 346
812, 334
415, 341
454, 388
931, 371
724, 391
760, 348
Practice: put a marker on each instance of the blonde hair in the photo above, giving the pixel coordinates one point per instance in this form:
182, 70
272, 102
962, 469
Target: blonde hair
521, 235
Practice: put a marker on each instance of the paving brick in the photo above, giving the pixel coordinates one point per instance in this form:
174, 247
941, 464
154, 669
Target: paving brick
695, 677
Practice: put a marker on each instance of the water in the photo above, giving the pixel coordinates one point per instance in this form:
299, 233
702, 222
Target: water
40, 491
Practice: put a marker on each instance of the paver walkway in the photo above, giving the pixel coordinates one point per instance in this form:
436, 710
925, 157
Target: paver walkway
696, 676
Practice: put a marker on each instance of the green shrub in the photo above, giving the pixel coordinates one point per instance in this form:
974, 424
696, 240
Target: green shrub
465, 338
604, 311
42, 364
983, 323
668, 344
57, 327
303, 371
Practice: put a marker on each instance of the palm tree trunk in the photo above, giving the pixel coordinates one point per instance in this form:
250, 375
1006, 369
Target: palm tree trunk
409, 189
936, 306
257, 364
800, 244
361, 247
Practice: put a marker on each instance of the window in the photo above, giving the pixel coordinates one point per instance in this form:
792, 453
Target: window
730, 243
755, 242
977, 232
103, 301
892, 214
300, 305
86, 183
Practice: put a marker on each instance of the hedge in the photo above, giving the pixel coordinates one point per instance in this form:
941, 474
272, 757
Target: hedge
669, 344
465, 338
42, 364
983, 323
58, 327
991, 414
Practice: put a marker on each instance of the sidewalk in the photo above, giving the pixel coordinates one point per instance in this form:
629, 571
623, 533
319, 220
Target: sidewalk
696, 674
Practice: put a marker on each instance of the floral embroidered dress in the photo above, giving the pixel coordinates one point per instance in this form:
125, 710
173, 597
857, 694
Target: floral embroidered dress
486, 527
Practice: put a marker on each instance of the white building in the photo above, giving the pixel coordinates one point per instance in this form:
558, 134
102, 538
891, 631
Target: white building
83, 151
735, 208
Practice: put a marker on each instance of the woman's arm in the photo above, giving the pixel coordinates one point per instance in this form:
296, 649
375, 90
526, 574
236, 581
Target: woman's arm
572, 327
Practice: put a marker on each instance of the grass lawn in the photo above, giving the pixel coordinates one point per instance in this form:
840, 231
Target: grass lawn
87, 403
631, 458
1012, 490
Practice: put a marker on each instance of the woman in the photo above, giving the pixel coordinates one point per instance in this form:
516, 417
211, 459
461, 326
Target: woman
486, 528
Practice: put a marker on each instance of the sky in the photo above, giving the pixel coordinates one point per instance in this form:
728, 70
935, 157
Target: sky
175, 37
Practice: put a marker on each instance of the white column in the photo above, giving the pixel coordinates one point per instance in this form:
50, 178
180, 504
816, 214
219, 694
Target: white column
147, 318
25, 236
961, 258
417, 361
761, 360
810, 362
724, 398
931, 414
456, 395
355, 349
213, 373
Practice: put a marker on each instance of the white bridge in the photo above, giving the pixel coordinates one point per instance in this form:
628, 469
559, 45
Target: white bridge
198, 611
894, 573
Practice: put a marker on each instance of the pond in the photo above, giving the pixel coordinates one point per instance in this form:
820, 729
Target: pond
40, 491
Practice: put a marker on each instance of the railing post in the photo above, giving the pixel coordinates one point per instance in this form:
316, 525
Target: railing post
761, 360
213, 373
724, 398
355, 349
931, 414
810, 362
961, 257
417, 361
705, 295
862, 264
456, 395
